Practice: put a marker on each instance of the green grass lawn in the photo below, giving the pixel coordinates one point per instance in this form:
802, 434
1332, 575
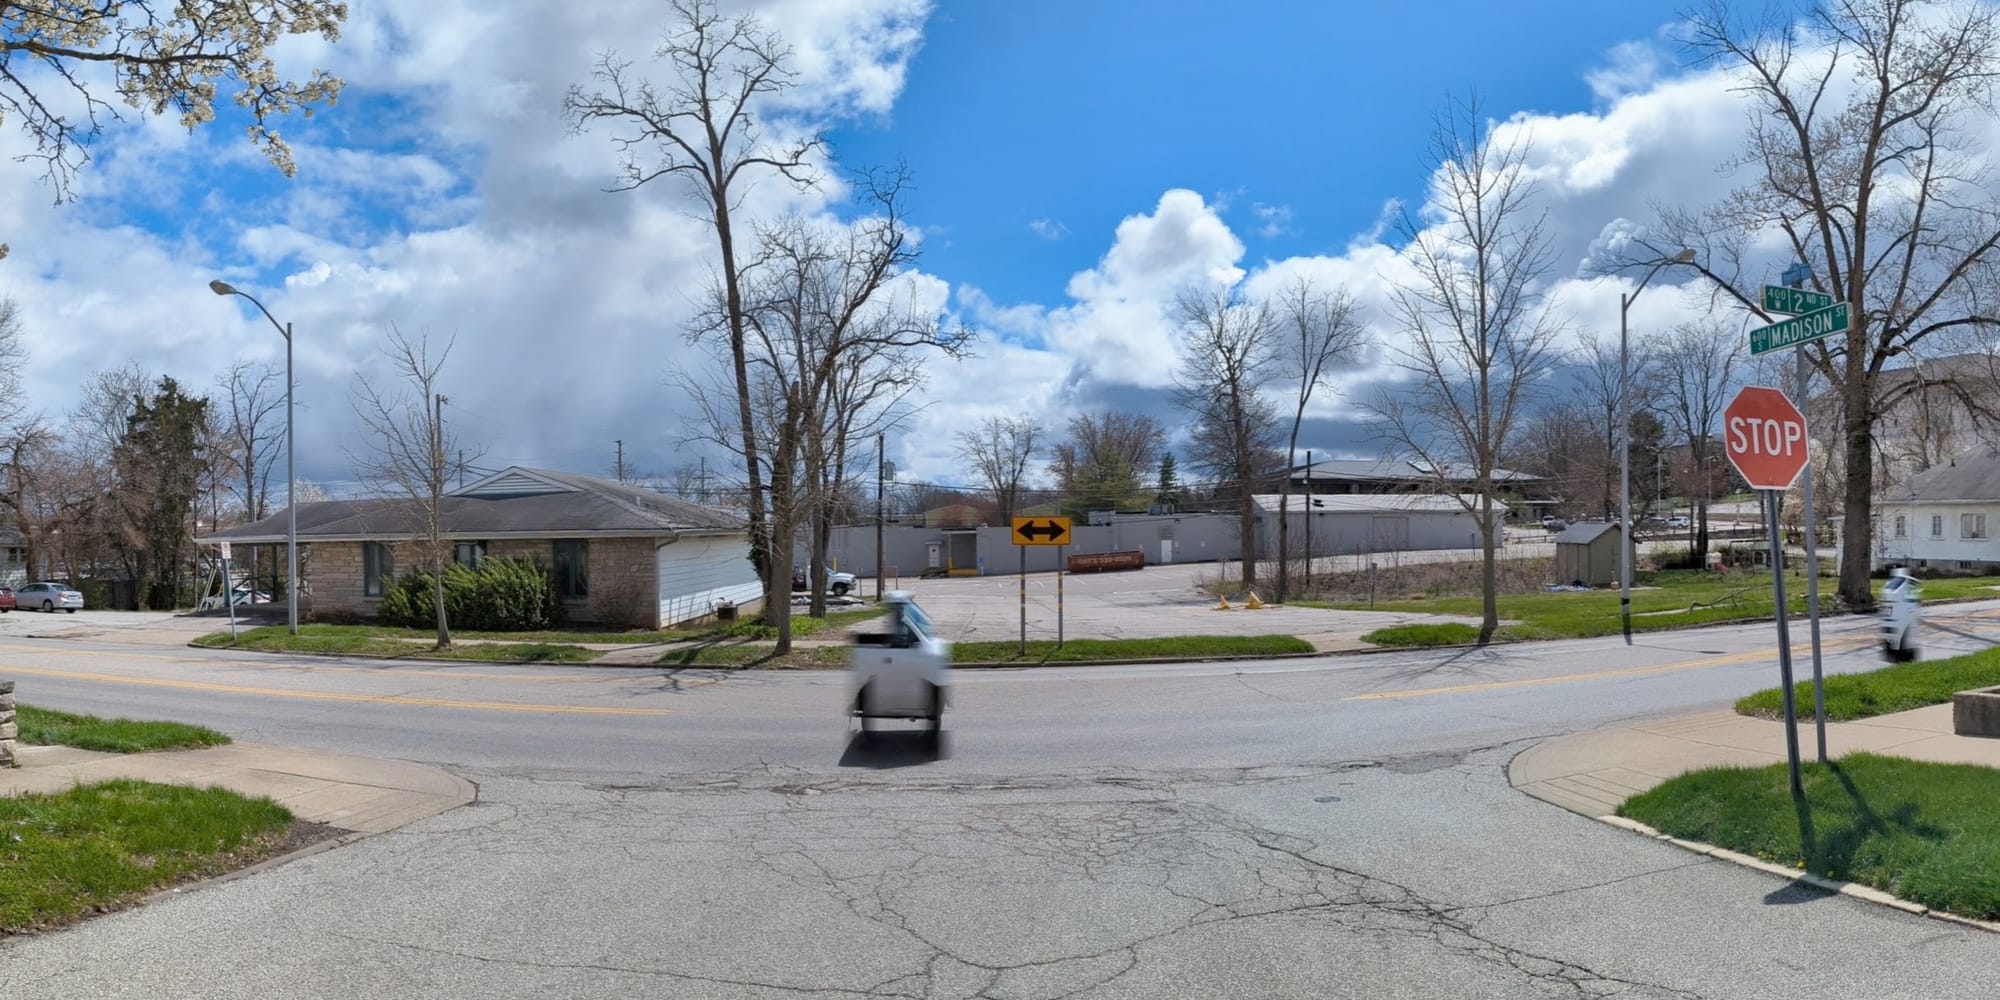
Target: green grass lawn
1897, 688
46, 728
1440, 634
1666, 599
741, 654
95, 847
1173, 647
1925, 832
361, 640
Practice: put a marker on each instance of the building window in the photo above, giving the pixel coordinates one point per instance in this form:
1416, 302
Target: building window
378, 568
572, 569
1937, 525
469, 554
1902, 526
1972, 526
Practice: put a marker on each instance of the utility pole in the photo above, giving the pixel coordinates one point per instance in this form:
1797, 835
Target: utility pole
620, 466
461, 468
881, 470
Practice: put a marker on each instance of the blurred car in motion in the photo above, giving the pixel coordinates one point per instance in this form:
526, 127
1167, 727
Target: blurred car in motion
901, 669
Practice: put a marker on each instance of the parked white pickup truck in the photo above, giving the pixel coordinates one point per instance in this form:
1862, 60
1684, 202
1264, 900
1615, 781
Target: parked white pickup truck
901, 669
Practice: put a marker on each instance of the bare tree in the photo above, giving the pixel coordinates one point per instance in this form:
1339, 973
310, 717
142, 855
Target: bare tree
1228, 359
414, 453
1696, 371
252, 426
701, 131
999, 451
1107, 453
821, 297
1478, 340
867, 395
1319, 332
1867, 128
1603, 381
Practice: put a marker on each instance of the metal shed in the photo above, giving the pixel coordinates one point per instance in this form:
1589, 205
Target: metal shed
1588, 554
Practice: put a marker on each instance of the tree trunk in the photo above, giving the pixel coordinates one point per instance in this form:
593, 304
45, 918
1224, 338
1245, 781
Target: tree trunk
1857, 523
1285, 529
733, 295
822, 540
1489, 573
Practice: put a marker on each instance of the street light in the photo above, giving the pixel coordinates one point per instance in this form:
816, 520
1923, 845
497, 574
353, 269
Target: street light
291, 480
1685, 256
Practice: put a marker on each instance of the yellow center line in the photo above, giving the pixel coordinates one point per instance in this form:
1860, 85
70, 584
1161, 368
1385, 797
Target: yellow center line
366, 699
389, 667
1729, 659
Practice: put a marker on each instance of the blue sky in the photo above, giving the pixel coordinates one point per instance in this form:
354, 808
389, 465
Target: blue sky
1082, 113
1075, 164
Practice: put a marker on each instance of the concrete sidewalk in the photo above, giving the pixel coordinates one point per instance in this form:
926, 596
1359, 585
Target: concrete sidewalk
1592, 773
360, 794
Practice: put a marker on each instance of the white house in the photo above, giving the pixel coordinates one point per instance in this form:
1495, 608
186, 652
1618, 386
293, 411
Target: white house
1942, 517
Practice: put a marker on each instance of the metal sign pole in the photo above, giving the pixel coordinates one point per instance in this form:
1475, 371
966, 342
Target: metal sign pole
1062, 564
229, 594
1784, 642
1023, 550
1812, 574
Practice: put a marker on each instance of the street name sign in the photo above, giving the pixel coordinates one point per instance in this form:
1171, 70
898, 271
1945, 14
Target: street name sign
1764, 436
1793, 301
1799, 329
1041, 531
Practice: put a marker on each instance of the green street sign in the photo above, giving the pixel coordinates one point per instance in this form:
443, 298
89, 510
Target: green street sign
1779, 299
1799, 329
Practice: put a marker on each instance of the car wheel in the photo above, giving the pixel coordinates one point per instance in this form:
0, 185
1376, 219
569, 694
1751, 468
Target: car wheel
840, 590
48, 607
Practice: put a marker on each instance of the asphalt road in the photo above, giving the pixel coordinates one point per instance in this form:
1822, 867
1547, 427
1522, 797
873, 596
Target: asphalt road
1299, 828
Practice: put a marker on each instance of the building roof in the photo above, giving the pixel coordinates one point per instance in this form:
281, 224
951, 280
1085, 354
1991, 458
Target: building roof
1584, 532
515, 502
1395, 470
1971, 477
1361, 503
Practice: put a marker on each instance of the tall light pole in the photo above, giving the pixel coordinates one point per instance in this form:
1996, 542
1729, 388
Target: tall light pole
1685, 256
291, 469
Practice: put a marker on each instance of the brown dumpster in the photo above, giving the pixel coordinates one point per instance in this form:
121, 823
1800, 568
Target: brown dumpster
1105, 562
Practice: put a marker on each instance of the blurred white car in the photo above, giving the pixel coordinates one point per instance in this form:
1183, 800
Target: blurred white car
901, 670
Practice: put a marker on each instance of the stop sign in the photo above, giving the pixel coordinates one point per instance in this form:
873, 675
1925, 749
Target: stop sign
1765, 437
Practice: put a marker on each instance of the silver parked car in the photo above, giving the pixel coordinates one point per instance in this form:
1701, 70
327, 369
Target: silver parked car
47, 597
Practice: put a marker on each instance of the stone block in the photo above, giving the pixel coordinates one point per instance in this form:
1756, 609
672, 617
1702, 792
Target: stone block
1976, 713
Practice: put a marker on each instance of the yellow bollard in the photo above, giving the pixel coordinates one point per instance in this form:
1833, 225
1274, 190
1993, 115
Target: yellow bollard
1254, 604
1222, 604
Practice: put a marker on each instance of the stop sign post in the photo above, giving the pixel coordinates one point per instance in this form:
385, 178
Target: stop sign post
1764, 436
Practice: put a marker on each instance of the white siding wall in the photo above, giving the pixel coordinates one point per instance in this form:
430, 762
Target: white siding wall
696, 573
1945, 550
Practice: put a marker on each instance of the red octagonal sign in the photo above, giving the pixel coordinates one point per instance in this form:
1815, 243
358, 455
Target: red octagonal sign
1765, 437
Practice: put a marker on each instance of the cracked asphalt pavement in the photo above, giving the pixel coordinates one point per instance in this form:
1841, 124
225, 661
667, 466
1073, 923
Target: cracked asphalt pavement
1315, 828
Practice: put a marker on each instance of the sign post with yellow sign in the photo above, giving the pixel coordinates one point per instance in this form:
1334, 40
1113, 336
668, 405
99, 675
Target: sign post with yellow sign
1034, 531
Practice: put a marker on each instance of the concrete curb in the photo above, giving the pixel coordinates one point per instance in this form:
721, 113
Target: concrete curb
1852, 890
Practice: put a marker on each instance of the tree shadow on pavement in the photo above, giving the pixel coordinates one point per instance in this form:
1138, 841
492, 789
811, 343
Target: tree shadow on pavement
895, 748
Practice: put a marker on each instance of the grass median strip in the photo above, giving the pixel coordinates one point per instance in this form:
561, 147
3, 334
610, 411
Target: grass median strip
1442, 634
1925, 832
1897, 688
44, 727
96, 847
355, 640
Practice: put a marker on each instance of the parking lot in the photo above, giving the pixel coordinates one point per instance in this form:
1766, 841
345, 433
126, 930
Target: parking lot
1148, 603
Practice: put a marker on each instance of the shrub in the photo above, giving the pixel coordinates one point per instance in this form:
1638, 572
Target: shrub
502, 595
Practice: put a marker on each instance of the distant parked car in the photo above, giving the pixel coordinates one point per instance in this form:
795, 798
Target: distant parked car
1553, 523
48, 597
837, 584
6, 599
1679, 521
